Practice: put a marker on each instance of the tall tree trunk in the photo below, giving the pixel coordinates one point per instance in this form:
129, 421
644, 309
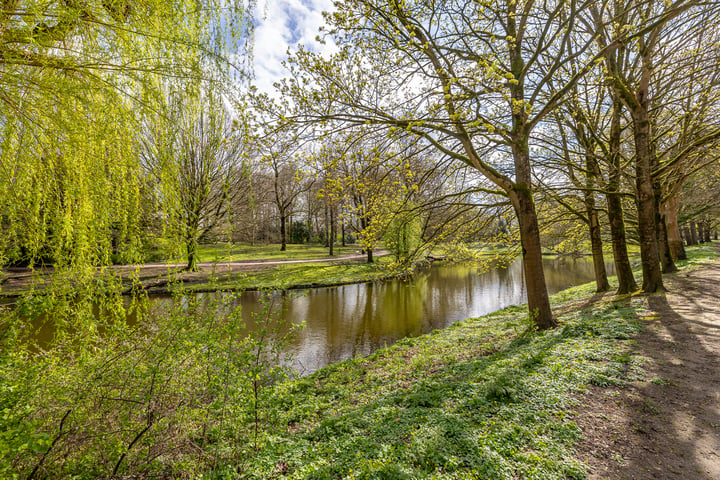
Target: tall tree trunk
652, 275
666, 259
686, 235
706, 224
521, 197
668, 265
669, 210
331, 240
701, 231
283, 232
601, 280
538, 300
623, 270
327, 227
370, 258
693, 233
342, 233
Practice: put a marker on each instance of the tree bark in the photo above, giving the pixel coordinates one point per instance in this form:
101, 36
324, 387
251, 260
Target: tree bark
331, 240
283, 232
706, 225
668, 265
370, 258
623, 270
601, 280
652, 275
191, 248
327, 227
538, 300
666, 259
685, 235
693, 233
669, 210
701, 231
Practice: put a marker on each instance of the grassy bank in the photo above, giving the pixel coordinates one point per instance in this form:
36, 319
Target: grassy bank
186, 396
298, 275
485, 398
239, 252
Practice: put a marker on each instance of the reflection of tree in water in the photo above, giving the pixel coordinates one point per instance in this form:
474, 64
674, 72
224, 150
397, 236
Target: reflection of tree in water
356, 319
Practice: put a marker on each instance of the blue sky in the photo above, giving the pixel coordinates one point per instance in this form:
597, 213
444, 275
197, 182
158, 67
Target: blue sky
283, 25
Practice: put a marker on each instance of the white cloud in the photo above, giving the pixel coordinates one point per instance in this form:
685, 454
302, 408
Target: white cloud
283, 25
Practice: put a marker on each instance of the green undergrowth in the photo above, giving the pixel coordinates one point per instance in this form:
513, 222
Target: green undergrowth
188, 395
699, 254
485, 398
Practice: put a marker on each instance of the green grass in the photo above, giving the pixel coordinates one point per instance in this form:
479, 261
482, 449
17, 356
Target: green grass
236, 252
485, 398
300, 274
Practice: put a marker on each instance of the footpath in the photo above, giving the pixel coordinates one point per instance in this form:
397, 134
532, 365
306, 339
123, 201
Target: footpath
666, 426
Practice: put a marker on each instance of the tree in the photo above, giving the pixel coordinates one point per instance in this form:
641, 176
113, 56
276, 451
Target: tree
632, 84
473, 79
70, 187
197, 158
288, 179
71, 70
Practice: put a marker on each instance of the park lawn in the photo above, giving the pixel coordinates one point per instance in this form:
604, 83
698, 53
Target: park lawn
299, 275
238, 252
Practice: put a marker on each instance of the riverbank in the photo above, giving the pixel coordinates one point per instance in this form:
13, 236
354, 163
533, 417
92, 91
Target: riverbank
272, 273
490, 398
487, 397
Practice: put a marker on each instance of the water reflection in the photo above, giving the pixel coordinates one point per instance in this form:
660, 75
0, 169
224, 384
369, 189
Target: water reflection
342, 322
357, 319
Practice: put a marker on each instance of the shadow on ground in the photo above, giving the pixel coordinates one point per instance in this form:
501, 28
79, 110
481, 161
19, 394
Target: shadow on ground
666, 425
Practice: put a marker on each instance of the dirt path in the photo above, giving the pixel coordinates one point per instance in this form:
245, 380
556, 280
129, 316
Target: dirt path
667, 426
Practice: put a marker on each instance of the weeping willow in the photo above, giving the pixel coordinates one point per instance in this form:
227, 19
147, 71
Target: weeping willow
75, 78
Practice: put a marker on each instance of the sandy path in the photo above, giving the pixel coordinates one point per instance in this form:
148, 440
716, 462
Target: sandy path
667, 426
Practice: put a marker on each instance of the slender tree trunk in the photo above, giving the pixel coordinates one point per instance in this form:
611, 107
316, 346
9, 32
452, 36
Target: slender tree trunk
601, 280
666, 259
623, 270
283, 232
700, 233
686, 234
521, 196
342, 233
652, 275
327, 227
693, 233
706, 224
332, 232
669, 210
538, 300
668, 265
370, 258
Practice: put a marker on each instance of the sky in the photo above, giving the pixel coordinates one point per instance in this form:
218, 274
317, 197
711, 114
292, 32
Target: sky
283, 25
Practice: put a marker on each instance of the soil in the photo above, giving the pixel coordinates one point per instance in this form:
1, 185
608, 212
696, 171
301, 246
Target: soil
666, 426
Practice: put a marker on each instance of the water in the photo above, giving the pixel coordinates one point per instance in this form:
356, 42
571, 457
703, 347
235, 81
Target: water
342, 322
